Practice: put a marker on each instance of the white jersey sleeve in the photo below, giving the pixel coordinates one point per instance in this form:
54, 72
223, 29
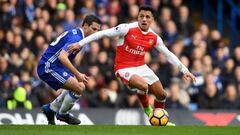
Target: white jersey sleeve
119, 31
170, 56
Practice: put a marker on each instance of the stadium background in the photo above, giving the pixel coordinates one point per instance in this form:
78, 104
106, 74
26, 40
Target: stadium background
204, 35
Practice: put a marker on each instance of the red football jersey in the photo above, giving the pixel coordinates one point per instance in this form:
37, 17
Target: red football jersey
133, 46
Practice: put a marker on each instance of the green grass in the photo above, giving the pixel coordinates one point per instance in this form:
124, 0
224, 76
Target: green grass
115, 130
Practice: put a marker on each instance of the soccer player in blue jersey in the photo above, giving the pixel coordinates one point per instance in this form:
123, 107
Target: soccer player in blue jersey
56, 69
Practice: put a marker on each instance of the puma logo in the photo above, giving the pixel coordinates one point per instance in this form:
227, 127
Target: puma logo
133, 36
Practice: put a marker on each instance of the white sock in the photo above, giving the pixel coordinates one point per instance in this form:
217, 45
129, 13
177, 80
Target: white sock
161, 101
68, 103
56, 104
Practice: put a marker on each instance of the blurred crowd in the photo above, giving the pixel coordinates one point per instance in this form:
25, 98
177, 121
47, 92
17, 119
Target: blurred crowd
28, 26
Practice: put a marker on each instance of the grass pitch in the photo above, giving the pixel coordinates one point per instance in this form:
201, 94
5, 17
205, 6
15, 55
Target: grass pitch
115, 130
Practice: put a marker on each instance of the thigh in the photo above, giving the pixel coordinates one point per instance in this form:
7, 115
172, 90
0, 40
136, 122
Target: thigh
146, 73
53, 78
53, 82
54, 75
131, 77
137, 82
125, 74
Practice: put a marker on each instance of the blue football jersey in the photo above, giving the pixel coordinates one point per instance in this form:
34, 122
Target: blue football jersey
61, 43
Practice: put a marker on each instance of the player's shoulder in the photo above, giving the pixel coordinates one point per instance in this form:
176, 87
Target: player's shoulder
133, 25
159, 39
151, 31
75, 33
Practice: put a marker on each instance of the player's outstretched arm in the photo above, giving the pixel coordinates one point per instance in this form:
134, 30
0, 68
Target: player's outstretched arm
63, 57
119, 30
174, 60
98, 35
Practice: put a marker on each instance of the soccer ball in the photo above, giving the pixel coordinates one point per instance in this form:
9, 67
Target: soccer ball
158, 117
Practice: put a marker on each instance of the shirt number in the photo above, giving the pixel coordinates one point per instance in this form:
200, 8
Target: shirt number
58, 38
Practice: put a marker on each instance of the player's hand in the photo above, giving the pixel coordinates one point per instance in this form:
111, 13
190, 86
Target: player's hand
190, 76
82, 78
74, 48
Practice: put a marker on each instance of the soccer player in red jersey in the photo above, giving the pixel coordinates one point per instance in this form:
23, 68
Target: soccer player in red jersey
135, 39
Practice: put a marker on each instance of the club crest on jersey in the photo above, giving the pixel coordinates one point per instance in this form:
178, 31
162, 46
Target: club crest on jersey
150, 41
127, 74
65, 74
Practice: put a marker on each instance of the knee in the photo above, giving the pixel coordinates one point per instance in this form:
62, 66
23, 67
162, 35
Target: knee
161, 95
144, 87
80, 88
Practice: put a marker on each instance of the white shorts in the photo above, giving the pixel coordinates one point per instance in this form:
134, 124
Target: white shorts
144, 71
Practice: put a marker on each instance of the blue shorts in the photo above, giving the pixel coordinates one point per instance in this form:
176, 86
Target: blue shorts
55, 75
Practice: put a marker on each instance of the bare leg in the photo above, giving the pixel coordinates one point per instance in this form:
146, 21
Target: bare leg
74, 86
157, 89
139, 83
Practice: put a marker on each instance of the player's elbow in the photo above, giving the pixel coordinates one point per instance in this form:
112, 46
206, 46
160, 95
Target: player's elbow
63, 55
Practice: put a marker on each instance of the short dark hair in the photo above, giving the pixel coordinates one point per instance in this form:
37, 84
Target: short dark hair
89, 19
146, 8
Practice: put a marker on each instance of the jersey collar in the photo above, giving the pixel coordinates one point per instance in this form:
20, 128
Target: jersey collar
82, 33
143, 32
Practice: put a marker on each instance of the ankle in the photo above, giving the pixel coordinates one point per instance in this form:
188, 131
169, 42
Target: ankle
148, 110
159, 104
144, 99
